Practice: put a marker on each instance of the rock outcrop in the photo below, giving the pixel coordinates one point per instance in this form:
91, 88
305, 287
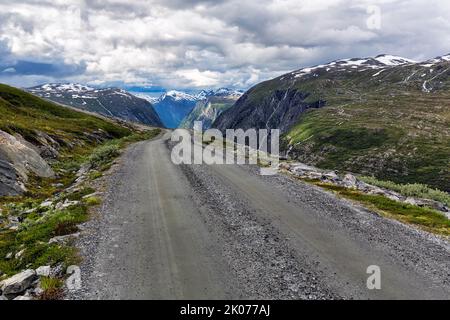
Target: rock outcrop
18, 283
18, 159
350, 181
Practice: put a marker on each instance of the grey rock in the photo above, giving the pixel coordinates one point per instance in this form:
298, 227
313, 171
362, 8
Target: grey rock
17, 160
9, 179
331, 175
58, 185
300, 167
57, 271
38, 291
411, 201
18, 283
392, 196
84, 169
350, 180
29, 211
66, 204
63, 239
23, 298
19, 254
43, 271
91, 195
3, 298
46, 204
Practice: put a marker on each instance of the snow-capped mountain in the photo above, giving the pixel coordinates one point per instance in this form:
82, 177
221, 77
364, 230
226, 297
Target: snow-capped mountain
221, 92
145, 96
111, 102
375, 116
177, 96
379, 62
340, 77
173, 106
436, 60
211, 103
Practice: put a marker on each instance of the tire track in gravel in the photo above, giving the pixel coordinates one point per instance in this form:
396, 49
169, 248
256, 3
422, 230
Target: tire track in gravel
198, 231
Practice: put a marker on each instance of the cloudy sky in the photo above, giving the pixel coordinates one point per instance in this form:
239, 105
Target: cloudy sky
191, 44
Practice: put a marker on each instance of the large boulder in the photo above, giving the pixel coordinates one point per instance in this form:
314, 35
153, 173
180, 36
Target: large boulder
17, 159
18, 283
9, 179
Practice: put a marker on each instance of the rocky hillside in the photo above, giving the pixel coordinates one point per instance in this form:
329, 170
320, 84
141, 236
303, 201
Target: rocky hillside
210, 105
34, 133
110, 102
385, 116
51, 160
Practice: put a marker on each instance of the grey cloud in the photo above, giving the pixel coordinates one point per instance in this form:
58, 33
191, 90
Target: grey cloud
190, 43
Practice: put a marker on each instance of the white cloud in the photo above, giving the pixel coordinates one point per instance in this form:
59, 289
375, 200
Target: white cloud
206, 43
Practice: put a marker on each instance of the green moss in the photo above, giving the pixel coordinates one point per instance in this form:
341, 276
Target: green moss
92, 201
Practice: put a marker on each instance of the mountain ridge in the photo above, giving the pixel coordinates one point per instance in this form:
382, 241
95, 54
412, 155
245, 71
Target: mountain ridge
387, 118
110, 102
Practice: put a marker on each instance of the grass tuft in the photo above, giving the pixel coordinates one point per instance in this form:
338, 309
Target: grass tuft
52, 289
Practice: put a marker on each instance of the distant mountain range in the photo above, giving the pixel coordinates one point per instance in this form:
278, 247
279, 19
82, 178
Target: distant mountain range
385, 116
210, 105
171, 109
181, 109
110, 102
173, 106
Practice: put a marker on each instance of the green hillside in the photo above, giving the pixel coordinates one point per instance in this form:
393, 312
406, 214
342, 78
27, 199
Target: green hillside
389, 121
24, 113
51, 207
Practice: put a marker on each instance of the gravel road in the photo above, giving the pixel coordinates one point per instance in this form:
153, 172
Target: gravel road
224, 232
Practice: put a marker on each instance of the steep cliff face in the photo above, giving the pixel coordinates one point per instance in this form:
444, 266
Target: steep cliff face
279, 109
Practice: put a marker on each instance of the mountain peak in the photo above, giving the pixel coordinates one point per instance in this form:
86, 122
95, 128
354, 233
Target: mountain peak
68, 87
379, 62
177, 95
221, 92
391, 60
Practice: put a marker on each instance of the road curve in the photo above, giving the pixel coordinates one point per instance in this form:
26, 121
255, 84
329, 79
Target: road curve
223, 232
